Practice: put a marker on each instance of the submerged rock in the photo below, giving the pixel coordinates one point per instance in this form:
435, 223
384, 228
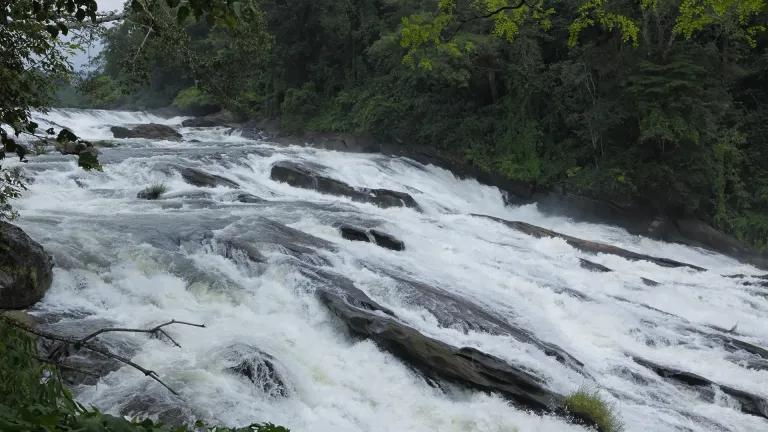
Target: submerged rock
302, 176
148, 131
259, 368
372, 236
248, 198
748, 403
650, 282
25, 269
593, 266
589, 246
200, 178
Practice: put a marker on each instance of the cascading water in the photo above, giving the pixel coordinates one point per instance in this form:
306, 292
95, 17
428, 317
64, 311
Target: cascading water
133, 263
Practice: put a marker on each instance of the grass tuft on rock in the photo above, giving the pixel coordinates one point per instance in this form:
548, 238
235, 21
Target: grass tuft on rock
154, 191
588, 406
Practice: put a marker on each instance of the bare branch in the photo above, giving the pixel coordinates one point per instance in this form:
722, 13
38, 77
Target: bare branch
141, 47
153, 330
83, 343
101, 19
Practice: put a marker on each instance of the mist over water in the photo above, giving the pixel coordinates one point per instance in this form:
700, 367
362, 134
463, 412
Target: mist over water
136, 263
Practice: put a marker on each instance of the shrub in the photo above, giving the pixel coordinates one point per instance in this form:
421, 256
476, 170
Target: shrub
153, 192
298, 105
589, 406
193, 101
11, 188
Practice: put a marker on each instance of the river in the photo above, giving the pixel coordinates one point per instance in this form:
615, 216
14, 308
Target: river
129, 262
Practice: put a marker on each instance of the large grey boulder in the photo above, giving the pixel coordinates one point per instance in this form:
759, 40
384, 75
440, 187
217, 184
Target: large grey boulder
200, 178
434, 358
25, 269
307, 177
148, 131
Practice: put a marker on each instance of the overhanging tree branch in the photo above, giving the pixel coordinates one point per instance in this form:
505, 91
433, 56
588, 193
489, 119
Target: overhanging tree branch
83, 343
491, 14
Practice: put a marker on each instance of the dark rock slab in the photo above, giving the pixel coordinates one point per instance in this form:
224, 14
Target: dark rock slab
456, 312
25, 269
203, 122
247, 198
749, 403
589, 246
593, 266
200, 178
148, 131
434, 358
261, 235
303, 176
377, 237
650, 282
355, 234
387, 240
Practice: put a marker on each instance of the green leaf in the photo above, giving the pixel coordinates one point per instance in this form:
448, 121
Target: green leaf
182, 14
52, 29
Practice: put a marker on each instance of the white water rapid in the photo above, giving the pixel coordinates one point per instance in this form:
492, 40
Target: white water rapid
128, 262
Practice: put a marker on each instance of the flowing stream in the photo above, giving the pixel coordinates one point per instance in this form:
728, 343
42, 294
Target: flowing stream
128, 262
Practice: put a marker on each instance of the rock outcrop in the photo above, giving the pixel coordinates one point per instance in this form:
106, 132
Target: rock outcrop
25, 269
374, 236
201, 178
148, 131
748, 403
302, 176
436, 359
590, 246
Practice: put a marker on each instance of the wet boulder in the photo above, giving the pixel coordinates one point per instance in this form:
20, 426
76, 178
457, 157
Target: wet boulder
376, 237
201, 178
25, 269
148, 131
304, 176
748, 403
257, 367
434, 358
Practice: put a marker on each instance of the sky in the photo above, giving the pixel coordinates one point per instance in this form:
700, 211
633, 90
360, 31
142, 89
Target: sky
81, 60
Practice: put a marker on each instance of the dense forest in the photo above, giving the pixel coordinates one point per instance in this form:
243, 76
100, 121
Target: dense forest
657, 104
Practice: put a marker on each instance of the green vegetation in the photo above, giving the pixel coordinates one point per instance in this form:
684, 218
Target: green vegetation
655, 104
591, 407
11, 188
193, 101
33, 398
154, 191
